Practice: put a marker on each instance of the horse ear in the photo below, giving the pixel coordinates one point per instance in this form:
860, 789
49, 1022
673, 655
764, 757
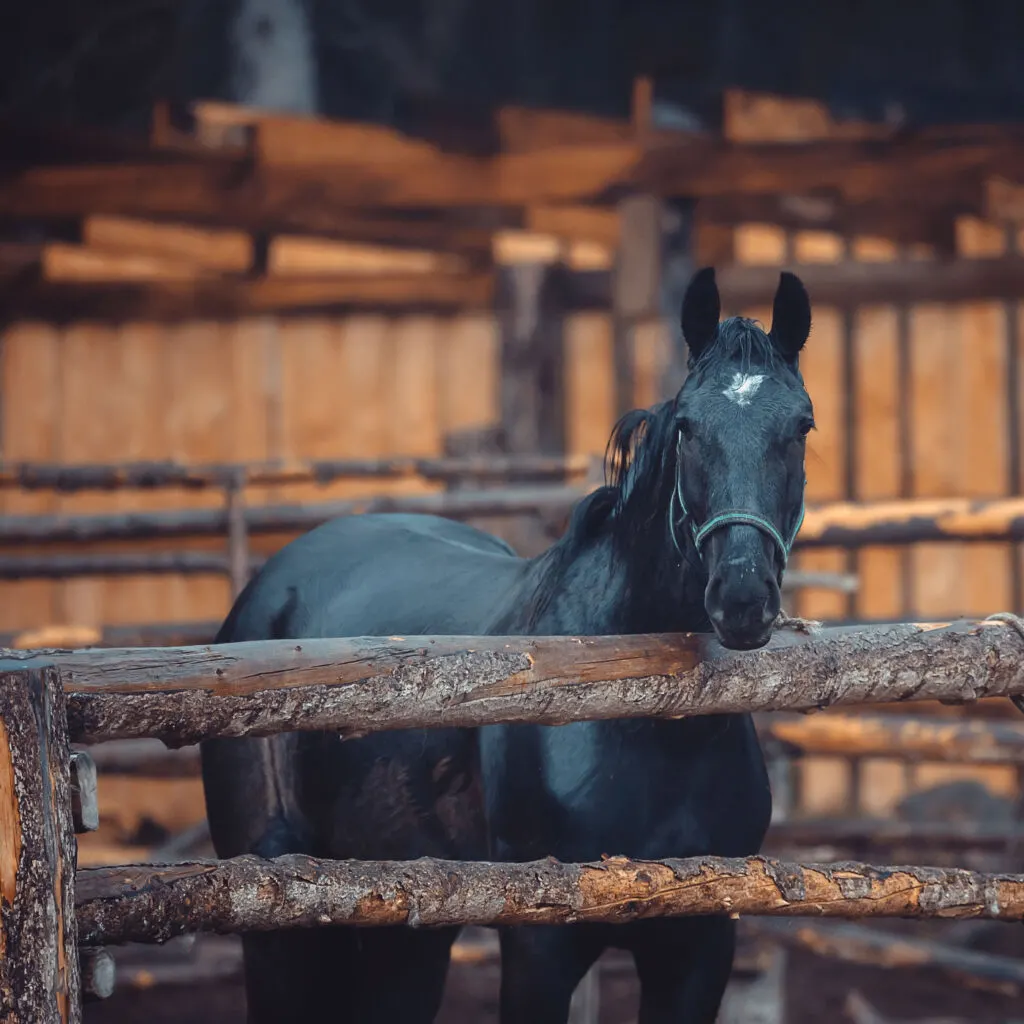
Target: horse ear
702, 308
791, 316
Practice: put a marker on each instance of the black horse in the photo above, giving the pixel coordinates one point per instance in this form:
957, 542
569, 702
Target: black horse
692, 533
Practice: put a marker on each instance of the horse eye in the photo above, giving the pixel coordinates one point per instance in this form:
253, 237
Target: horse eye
806, 426
685, 428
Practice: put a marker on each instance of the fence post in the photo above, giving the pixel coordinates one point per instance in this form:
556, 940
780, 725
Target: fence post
39, 970
238, 534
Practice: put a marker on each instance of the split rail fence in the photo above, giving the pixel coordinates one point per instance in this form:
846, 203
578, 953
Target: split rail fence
55, 920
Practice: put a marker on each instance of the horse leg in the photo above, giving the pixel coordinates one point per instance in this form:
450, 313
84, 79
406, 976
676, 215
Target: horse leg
346, 975
402, 974
293, 974
540, 969
684, 965
301, 975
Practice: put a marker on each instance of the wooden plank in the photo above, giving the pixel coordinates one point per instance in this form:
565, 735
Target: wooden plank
74, 263
398, 170
90, 366
985, 431
137, 400
877, 398
309, 257
920, 278
946, 166
223, 193
198, 426
936, 431
468, 365
225, 251
590, 393
904, 220
30, 408
822, 366
651, 357
364, 388
414, 406
250, 402
313, 391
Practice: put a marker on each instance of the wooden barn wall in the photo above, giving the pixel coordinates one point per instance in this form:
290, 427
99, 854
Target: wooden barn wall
208, 392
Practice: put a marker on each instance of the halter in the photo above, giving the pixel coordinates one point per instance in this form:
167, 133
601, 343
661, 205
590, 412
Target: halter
729, 517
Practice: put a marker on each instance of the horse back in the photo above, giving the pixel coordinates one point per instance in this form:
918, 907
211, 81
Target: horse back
390, 795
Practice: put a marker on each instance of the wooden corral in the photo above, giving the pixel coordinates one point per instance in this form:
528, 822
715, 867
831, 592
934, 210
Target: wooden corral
272, 291
963, 661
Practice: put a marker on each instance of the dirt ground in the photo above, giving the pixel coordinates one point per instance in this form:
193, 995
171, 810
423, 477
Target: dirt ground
817, 991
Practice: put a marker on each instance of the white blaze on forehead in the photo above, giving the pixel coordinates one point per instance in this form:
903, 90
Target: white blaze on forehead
743, 387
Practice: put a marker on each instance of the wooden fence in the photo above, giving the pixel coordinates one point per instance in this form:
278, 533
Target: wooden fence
50, 698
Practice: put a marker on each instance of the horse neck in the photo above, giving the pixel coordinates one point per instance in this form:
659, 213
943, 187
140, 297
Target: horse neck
610, 587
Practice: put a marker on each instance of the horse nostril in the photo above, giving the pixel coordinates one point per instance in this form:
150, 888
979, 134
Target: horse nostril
744, 605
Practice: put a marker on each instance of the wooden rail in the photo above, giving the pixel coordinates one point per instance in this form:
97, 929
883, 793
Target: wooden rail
151, 903
362, 685
910, 738
839, 524
70, 478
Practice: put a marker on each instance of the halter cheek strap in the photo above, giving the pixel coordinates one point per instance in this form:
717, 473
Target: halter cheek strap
730, 517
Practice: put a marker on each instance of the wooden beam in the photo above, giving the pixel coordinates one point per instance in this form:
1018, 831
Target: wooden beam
355, 686
39, 975
904, 220
525, 129
159, 634
226, 193
840, 524
72, 478
315, 257
947, 165
856, 524
900, 736
200, 522
858, 834
140, 903
169, 300
857, 944
848, 284
224, 251
155, 563
61, 262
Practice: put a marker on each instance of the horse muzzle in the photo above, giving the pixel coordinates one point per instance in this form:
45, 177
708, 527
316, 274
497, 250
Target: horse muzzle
742, 601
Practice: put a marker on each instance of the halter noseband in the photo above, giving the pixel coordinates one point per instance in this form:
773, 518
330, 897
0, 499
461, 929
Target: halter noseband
730, 517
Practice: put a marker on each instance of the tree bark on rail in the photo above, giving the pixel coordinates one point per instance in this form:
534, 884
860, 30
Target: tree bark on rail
39, 974
908, 737
147, 903
355, 686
